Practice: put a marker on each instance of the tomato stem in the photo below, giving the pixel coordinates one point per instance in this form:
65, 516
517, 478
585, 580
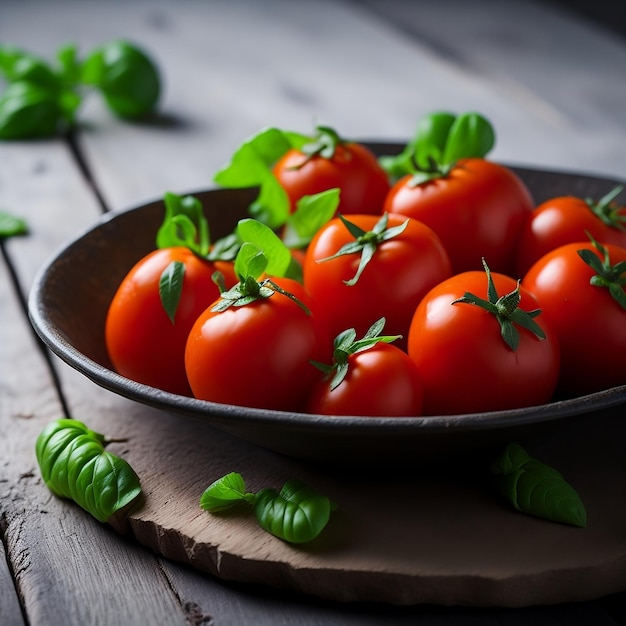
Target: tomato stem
506, 310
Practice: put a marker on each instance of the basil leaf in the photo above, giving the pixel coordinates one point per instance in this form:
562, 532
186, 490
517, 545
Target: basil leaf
225, 493
11, 225
74, 465
184, 224
311, 213
431, 137
126, 76
17, 65
250, 261
471, 135
534, 488
171, 287
278, 256
297, 514
251, 166
28, 111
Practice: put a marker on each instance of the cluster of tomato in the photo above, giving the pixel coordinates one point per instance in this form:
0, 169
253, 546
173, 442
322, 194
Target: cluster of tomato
487, 302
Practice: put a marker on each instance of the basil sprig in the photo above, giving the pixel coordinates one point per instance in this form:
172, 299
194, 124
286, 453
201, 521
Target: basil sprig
42, 98
534, 488
296, 513
441, 139
75, 465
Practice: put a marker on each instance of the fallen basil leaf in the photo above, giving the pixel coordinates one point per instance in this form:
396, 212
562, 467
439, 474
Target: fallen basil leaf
537, 489
74, 465
296, 514
225, 493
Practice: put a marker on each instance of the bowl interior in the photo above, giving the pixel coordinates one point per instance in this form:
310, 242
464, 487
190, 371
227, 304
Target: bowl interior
71, 295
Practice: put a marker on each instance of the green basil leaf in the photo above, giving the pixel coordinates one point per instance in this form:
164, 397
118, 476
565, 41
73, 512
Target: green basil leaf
74, 465
534, 488
225, 493
171, 288
471, 135
18, 66
311, 213
431, 137
28, 111
102, 484
11, 225
275, 251
297, 514
184, 224
126, 76
250, 262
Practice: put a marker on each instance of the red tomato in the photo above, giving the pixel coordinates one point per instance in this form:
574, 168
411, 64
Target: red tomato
476, 210
353, 169
563, 220
589, 322
258, 355
399, 274
142, 342
381, 382
465, 365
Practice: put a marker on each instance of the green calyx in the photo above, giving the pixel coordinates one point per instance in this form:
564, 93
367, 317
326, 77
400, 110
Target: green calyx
324, 144
441, 139
366, 243
250, 264
346, 344
506, 310
611, 277
608, 211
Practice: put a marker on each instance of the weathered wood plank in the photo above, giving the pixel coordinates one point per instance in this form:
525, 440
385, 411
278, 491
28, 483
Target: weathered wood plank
233, 67
68, 568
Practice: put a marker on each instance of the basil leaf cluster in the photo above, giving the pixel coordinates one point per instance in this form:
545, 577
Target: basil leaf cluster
42, 98
296, 513
534, 488
75, 465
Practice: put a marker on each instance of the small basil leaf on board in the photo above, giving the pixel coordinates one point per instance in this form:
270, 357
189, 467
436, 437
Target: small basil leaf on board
296, 514
171, 288
534, 488
74, 465
225, 493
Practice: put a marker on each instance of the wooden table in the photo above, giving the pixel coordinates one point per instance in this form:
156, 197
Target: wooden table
552, 83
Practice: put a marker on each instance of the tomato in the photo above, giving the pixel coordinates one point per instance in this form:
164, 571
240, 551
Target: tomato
353, 168
589, 322
382, 381
400, 272
143, 344
476, 210
464, 363
258, 355
566, 219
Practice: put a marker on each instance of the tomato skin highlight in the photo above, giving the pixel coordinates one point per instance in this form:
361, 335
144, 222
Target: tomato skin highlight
381, 382
559, 221
141, 341
258, 355
465, 365
590, 324
477, 211
353, 169
401, 272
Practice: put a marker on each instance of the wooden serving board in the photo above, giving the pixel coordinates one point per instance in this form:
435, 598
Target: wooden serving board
420, 536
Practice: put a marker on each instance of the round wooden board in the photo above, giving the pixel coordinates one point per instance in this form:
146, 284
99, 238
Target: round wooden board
411, 537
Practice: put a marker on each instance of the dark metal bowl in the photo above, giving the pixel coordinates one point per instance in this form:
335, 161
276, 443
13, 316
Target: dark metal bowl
70, 298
